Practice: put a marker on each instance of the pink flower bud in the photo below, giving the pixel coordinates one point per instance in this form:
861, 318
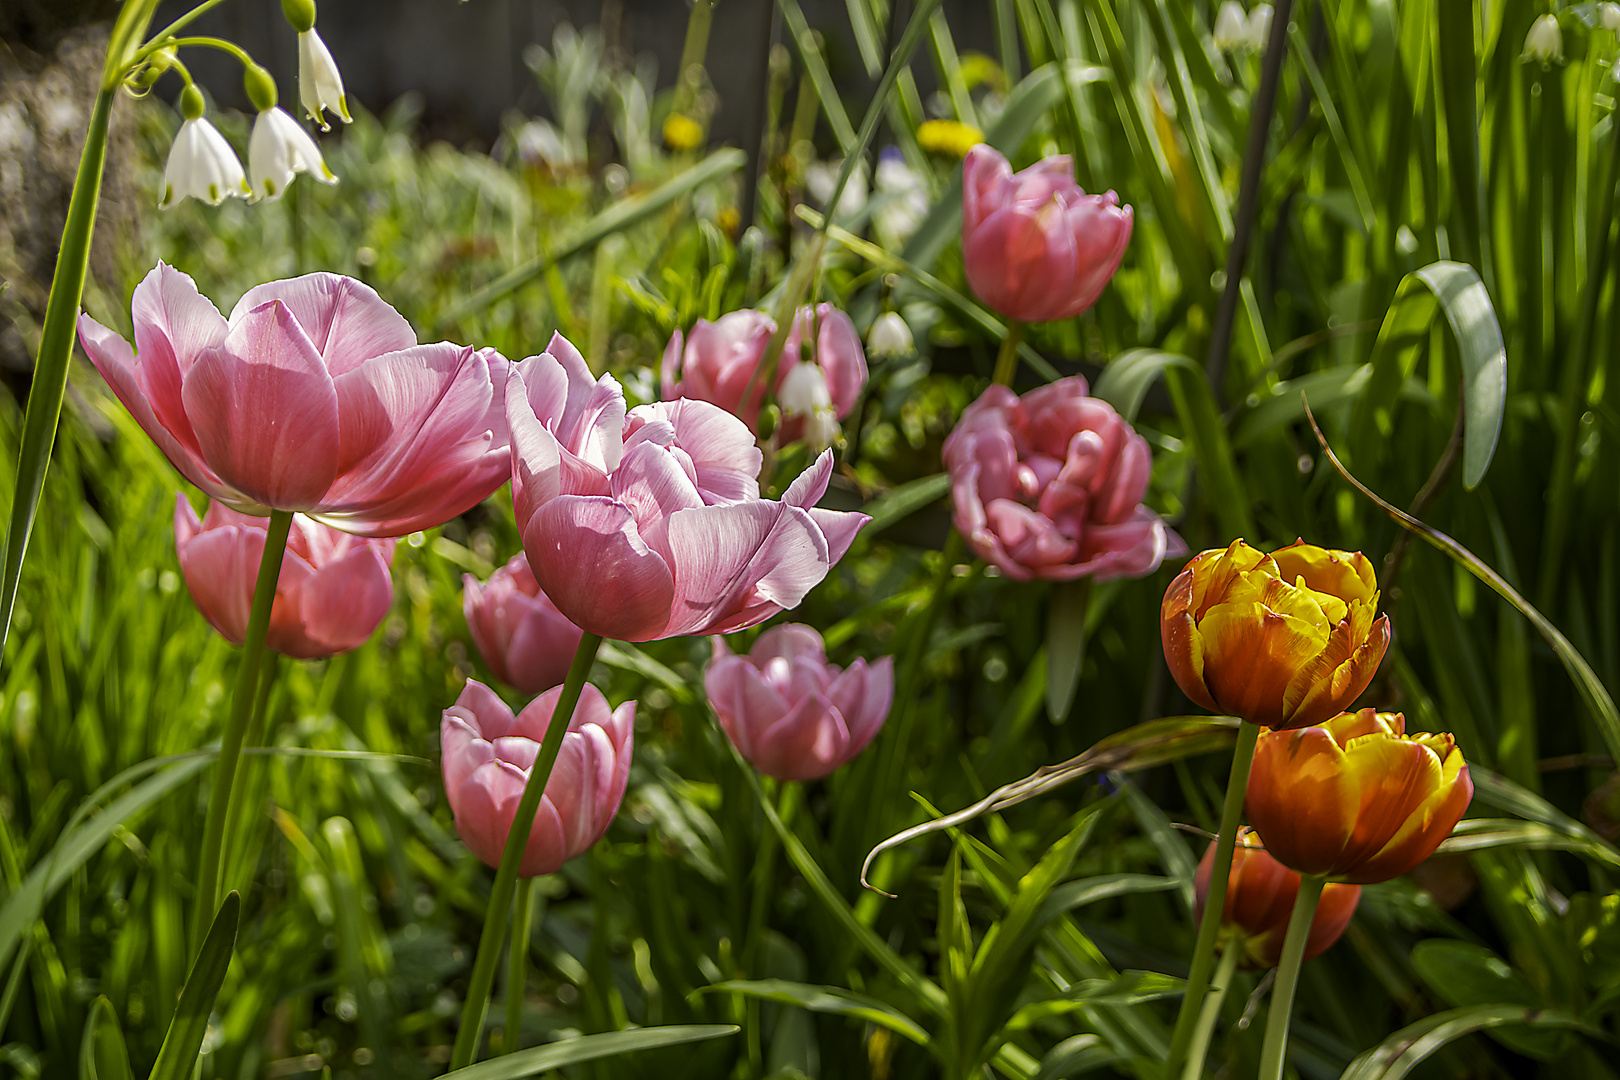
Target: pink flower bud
1036, 247
522, 636
717, 361
1050, 486
790, 712
333, 591
487, 756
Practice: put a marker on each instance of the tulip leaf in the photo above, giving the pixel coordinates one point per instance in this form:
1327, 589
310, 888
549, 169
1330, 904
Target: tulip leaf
582, 1048
1482, 834
828, 999
1065, 644
1125, 381
102, 1054
1461, 973
1504, 794
903, 500
1073, 894
1076, 1055
1454, 289
178, 1056
1128, 988
1403, 1051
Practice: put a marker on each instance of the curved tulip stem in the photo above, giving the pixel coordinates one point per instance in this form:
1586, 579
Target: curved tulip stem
517, 968
1007, 358
1212, 1010
500, 897
236, 814
1215, 902
230, 744
1275, 1048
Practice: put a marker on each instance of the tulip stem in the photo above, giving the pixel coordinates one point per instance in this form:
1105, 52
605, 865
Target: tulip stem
230, 744
1211, 1012
1007, 358
236, 813
517, 840
517, 970
1209, 928
1275, 1049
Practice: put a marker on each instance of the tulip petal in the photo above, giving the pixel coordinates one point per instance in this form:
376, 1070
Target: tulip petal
265, 411
735, 563
220, 567
1424, 829
484, 709
345, 600
1302, 800
651, 483
806, 744
587, 555
1396, 777
725, 460
174, 323
344, 319
985, 173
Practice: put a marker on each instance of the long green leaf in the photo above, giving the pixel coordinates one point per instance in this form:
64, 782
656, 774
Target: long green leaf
1484, 834
543, 1059
832, 1000
1128, 376
178, 1056
616, 218
1401, 1052
905, 499
102, 1054
815, 66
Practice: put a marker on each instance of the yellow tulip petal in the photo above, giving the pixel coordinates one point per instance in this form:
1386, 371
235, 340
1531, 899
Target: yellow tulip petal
1250, 653
1301, 799
1396, 776
1345, 574
1424, 829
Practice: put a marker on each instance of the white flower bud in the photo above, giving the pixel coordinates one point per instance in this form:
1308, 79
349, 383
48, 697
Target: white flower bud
279, 150
202, 165
320, 87
1260, 27
1544, 44
889, 336
1609, 16
804, 393
1231, 27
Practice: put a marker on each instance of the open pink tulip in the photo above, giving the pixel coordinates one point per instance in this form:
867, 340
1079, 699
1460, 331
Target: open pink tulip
1050, 486
488, 753
333, 592
650, 525
788, 711
524, 639
313, 396
816, 387
1036, 247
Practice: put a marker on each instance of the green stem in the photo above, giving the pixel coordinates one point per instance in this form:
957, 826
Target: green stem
1007, 358
162, 37
1212, 1010
1282, 996
230, 746
500, 897
693, 54
1215, 902
55, 351
237, 812
517, 967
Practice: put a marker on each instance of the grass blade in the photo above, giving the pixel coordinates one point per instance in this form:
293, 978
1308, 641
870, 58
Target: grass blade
178, 1057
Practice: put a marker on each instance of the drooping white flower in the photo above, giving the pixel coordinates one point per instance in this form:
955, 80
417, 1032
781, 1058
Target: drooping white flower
1260, 27
1544, 44
1609, 16
804, 393
821, 176
1231, 27
201, 164
889, 336
279, 150
901, 200
320, 87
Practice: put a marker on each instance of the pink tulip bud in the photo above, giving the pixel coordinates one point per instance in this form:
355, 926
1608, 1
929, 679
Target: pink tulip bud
522, 636
788, 711
1036, 247
333, 592
487, 756
313, 396
649, 524
716, 362
1050, 486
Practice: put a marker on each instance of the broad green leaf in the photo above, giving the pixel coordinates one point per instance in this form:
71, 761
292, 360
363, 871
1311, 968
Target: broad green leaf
102, 1054
1401, 1052
1127, 378
178, 1056
1461, 973
828, 999
1284, 405
582, 1048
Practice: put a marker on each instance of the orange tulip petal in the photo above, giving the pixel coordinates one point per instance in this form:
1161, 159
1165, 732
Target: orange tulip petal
1250, 653
1396, 776
1184, 655
1302, 800
1424, 829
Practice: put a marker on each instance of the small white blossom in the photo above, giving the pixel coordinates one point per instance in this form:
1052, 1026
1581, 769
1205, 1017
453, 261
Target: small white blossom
203, 166
820, 178
279, 150
804, 393
901, 201
1231, 27
1609, 16
889, 336
320, 87
1544, 44
1260, 27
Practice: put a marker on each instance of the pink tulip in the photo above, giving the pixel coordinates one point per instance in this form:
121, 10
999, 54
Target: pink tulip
1036, 247
650, 525
313, 396
788, 711
487, 756
333, 591
524, 639
1050, 486
815, 387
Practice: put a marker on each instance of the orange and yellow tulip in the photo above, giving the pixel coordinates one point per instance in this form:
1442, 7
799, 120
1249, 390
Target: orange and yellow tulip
1284, 640
1356, 799
1260, 898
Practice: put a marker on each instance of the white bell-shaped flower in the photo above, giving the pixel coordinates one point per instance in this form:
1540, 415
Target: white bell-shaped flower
804, 394
201, 164
1608, 15
320, 87
1544, 44
889, 336
1231, 27
1260, 27
279, 150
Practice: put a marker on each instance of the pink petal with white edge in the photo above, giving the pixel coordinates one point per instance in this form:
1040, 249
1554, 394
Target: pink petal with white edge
652, 484
724, 456
587, 555
984, 174
863, 695
484, 709
265, 411
735, 563
462, 749
174, 323
345, 320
